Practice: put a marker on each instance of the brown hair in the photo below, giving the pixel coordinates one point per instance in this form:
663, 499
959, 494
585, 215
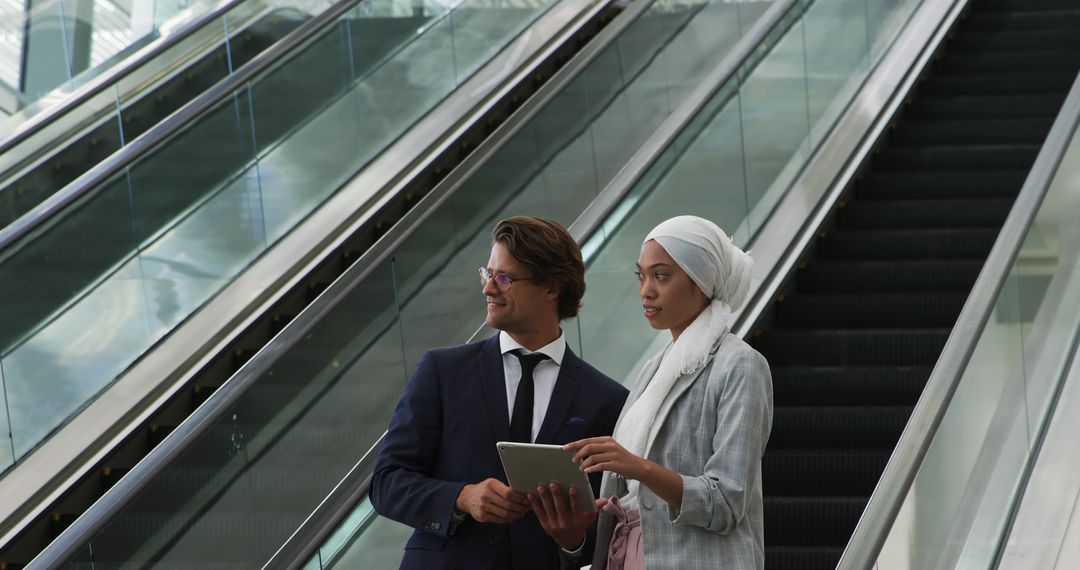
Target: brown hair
551, 255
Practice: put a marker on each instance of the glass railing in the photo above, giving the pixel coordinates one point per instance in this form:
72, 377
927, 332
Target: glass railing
300, 428
50, 144
320, 406
957, 511
50, 48
96, 287
732, 164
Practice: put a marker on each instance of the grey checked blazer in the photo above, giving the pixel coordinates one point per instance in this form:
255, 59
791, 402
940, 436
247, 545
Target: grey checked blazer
714, 436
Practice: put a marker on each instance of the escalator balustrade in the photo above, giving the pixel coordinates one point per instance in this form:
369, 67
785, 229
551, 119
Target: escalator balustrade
854, 340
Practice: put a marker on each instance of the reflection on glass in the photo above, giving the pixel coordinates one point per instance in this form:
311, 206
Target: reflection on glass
112, 277
837, 60
375, 542
244, 487
62, 44
116, 114
958, 511
7, 452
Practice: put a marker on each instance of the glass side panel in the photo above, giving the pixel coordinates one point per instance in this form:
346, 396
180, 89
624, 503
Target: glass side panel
958, 510
49, 48
348, 383
164, 237
706, 170
238, 493
58, 152
7, 451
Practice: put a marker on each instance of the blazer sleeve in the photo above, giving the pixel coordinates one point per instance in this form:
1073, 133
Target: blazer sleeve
719, 499
402, 486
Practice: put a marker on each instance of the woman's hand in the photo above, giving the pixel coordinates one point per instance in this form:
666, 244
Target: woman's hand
605, 454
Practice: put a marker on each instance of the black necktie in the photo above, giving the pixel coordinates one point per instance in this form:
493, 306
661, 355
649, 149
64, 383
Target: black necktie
521, 421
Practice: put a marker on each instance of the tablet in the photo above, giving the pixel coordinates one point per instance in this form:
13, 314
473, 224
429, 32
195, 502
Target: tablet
529, 465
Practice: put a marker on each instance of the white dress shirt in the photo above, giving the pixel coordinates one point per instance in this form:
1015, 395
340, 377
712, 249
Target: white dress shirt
544, 375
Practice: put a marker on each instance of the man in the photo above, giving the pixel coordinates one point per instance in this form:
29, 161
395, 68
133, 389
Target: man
439, 471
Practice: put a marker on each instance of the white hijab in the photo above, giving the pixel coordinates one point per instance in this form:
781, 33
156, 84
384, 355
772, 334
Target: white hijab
723, 272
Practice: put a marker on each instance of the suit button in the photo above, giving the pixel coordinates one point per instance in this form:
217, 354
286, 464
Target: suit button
435, 526
494, 541
646, 504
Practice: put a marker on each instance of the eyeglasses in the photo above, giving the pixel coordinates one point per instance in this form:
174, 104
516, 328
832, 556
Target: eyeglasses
502, 280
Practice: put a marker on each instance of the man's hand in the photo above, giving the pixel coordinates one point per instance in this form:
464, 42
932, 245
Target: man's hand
491, 501
565, 523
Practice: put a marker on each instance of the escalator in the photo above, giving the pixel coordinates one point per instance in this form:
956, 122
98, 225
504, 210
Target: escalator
48, 155
222, 180
296, 419
854, 339
274, 148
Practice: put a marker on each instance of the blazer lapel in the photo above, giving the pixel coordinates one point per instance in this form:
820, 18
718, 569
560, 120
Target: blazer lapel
567, 385
683, 384
643, 379
494, 384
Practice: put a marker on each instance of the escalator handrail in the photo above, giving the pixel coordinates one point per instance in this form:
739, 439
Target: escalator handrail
899, 475
117, 72
93, 181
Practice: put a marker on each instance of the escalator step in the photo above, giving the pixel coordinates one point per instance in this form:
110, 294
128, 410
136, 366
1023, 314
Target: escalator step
1065, 19
833, 427
908, 244
812, 521
875, 310
986, 131
818, 473
852, 347
802, 558
1020, 83
1007, 62
848, 385
956, 275
1016, 40
941, 184
985, 107
1023, 6
907, 214
958, 157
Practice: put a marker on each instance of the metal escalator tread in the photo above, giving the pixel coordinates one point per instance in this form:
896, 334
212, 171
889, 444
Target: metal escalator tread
852, 344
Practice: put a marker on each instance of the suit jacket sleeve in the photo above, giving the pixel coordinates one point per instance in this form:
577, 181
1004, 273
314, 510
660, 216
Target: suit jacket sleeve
719, 498
403, 487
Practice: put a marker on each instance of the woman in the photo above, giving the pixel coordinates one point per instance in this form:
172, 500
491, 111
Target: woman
684, 483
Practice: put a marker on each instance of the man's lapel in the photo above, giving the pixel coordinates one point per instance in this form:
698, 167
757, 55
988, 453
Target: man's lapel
494, 384
566, 388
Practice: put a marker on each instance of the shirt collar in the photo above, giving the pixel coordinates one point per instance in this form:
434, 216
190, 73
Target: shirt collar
554, 349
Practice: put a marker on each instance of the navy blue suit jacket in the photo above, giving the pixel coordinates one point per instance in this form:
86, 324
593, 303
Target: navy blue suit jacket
442, 436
